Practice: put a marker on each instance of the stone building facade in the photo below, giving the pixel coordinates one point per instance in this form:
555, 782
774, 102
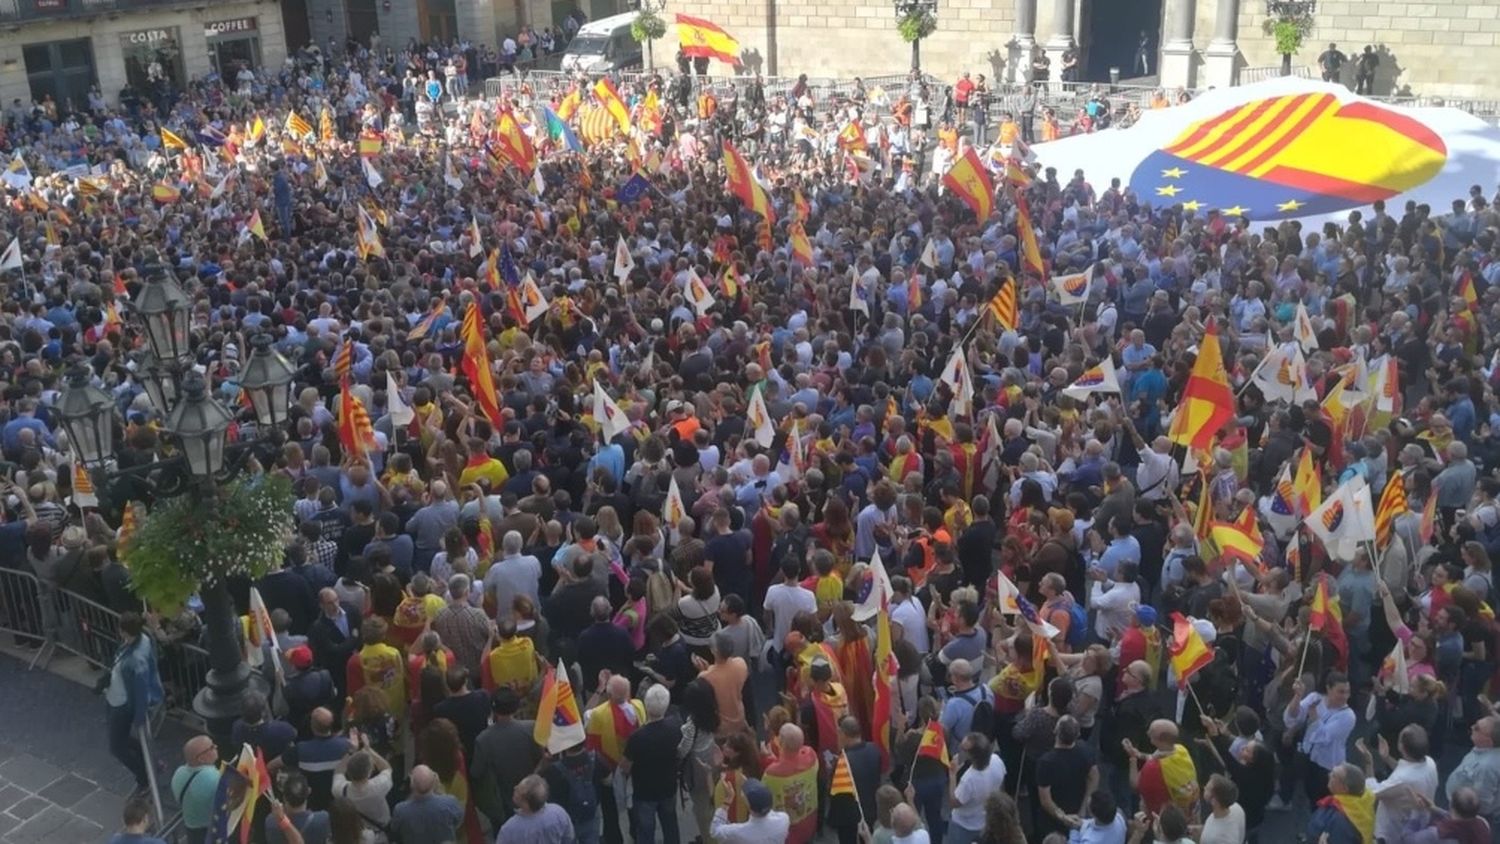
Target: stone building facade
1440, 47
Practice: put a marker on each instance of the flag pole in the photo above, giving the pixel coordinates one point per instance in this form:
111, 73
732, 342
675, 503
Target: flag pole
1306, 642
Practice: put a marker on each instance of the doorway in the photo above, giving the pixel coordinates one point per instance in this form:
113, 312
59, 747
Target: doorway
1112, 32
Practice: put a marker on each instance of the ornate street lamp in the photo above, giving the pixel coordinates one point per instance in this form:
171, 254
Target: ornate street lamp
916, 19
160, 382
1289, 22
165, 309
201, 426
267, 379
88, 415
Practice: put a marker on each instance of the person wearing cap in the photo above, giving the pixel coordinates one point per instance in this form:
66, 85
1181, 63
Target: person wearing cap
766, 824
307, 687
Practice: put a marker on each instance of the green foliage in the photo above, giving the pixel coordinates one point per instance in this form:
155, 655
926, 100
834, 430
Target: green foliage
647, 26
916, 25
192, 540
1289, 32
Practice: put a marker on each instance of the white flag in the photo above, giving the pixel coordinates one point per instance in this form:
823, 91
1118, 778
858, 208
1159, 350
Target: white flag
320, 174
956, 375
1097, 379
400, 412
857, 294
1282, 376
17, 175
1385, 383
538, 184
929, 254
476, 240
261, 634
1006, 594
761, 427
673, 510
372, 176
223, 185
697, 293
1302, 329
531, 297
880, 590
792, 457
11, 260
1073, 289
611, 419
450, 174
1340, 522
624, 261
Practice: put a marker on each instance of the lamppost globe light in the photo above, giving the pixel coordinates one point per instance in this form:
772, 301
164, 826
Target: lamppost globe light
201, 426
267, 380
88, 415
165, 309
159, 381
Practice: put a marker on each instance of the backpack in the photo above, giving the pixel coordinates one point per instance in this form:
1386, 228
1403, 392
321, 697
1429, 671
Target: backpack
983, 719
583, 801
1078, 625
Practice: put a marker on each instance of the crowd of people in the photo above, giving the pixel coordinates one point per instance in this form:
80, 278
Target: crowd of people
705, 588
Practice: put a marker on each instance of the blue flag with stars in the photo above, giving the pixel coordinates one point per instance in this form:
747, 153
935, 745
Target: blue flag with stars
508, 269
633, 189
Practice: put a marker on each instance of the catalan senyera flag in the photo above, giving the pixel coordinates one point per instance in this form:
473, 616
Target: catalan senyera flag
297, 125
934, 743
843, 779
1207, 401
609, 98
476, 366
1188, 652
1307, 485
172, 140
969, 180
742, 184
1240, 539
558, 724
326, 131
356, 433
700, 38
1031, 253
343, 359
1003, 306
1392, 504
1428, 526
801, 247
1328, 617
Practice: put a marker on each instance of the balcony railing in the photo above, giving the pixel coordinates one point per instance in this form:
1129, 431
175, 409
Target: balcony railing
26, 11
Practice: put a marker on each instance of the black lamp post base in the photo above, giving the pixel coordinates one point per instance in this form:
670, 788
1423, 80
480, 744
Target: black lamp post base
222, 701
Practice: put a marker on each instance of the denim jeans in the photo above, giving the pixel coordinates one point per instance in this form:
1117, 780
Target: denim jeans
645, 814
959, 835
586, 832
930, 794
125, 747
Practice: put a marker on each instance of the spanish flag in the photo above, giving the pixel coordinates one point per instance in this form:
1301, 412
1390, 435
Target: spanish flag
801, 247
1307, 485
171, 140
255, 227
1168, 779
729, 283
257, 130
165, 193
514, 143
569, 105
743, 185
476, 366
1327, 616
1031, 254
934, 744
609, 98
1359, 810
297, 126
1392, 504
968, 179
1207, 402
1003, 307
852, 137
799, 202
1240, 539
704, 39
558, 725
1188, 652
356, 433
369, 143
1464, 288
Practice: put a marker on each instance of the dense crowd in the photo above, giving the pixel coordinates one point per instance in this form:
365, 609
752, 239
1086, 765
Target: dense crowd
700, 572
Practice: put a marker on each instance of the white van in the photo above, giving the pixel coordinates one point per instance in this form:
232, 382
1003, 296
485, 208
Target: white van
603, 45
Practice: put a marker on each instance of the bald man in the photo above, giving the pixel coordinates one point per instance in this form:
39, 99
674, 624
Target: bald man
1165, 775
426, 817
194, 784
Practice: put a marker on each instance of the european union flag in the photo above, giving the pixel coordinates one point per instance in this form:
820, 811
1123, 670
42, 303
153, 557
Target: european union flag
229, 805
508, 270
558, 128
634, 189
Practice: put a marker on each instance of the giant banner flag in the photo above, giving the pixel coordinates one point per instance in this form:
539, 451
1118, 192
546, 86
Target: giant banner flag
1288, 148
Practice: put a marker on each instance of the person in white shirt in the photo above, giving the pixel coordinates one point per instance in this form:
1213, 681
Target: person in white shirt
983, 774
905, 828
1225, 823
784, 600
1114, 600
365, 779
1412, 783
765, 826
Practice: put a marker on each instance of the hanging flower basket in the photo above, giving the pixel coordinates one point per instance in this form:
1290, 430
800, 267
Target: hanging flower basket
916, 25
190, 541
647, 26
1289, 32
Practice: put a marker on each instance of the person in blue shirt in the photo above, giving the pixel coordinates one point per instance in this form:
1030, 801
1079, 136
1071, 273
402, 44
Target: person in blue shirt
137, 818
1329, 823
1460, 410
1145, 392
434, 87
134, 687
10, 435
963, 697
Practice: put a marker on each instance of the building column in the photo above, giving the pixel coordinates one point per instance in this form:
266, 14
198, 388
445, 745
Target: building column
1061, 38
474, 16
1023, 44
1221, 59
1177, 49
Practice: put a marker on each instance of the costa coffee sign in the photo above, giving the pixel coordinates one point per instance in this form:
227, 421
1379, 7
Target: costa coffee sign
229, 27
149, 37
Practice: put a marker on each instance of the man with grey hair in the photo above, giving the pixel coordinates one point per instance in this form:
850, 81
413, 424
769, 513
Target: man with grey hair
536, 820
426, 817
604, 648
1480, 769
513, 574
428, 525
964, 696
651, 763
1329, 822
1454, 486
726, 676
464, 627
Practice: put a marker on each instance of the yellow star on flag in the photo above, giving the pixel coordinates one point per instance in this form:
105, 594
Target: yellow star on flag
1236, 211
1191, 205
1168, 190
1289, 205
1174, 173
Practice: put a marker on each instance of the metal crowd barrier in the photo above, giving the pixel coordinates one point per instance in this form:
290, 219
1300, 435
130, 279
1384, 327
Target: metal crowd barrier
37, 614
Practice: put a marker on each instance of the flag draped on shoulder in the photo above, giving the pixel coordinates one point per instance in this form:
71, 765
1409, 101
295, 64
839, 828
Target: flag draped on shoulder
1207, 401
